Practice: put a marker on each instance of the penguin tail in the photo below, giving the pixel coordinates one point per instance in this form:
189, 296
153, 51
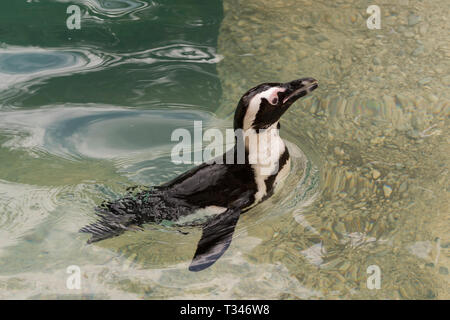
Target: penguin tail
116, 217
108, 226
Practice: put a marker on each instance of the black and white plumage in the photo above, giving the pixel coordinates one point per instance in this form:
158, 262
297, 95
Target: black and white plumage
227, 189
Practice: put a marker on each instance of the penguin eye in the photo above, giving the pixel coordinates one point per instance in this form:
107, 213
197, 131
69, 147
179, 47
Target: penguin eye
275, 100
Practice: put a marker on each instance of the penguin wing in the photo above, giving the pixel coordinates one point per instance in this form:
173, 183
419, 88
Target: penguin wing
216, 238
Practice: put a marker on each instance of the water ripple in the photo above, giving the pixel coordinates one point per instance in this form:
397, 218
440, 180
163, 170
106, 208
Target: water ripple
23, 207
113, 8
179, 52
22, 68
100, 132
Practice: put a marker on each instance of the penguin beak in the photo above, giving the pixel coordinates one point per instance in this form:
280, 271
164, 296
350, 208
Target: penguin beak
297, 89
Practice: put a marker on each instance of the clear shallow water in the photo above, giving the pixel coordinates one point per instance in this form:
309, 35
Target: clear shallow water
85, 114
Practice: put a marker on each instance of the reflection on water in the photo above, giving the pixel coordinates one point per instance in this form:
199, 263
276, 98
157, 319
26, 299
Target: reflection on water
157, 53
181, 53
85, 114
116, 8
94, 132
28, 69
24, 64
112, 8
31, 63
136, 142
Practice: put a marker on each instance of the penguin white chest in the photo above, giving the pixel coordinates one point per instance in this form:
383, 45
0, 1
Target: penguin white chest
265, 152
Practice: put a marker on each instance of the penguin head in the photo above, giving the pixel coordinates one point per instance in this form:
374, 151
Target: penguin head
263, 105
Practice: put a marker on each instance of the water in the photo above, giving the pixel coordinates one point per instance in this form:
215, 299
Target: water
86, 113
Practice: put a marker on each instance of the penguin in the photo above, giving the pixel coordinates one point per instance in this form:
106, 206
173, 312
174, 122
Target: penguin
225, 187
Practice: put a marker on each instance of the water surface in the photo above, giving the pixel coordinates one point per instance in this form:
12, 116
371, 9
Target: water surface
86, 113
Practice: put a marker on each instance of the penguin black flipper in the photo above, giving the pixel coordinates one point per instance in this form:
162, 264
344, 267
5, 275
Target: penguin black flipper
216, 238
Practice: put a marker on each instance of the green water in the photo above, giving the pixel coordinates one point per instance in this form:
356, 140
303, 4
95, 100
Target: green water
86, 113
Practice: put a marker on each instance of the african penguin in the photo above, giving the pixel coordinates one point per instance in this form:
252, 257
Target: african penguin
246, 175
